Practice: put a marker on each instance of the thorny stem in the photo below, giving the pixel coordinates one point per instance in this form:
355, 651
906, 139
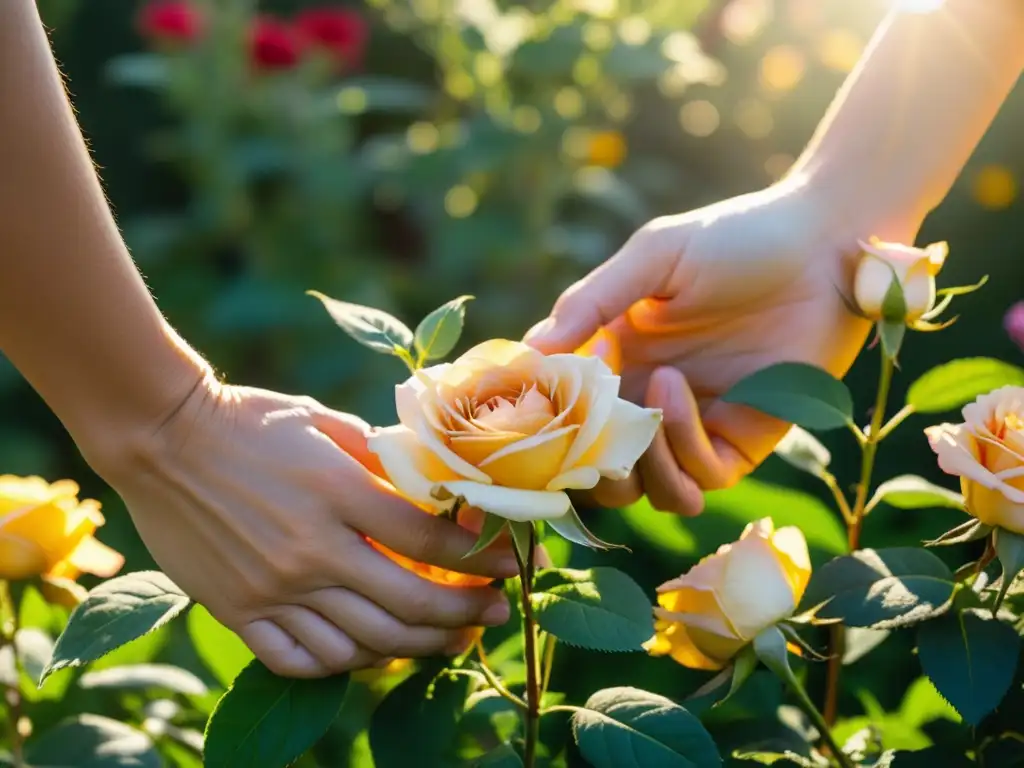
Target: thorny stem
549, 661
532, 714
819, 722
12, 693
854, 525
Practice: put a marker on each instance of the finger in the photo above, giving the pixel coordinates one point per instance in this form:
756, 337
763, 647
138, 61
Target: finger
639, 270
617, 493
280, 651
667, 486
378, 630
332, 646
713, 462
349, 433
415, 600
386, 517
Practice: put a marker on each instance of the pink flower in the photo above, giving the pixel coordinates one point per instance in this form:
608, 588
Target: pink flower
1014, 323
170, 21
274, 44
340, 32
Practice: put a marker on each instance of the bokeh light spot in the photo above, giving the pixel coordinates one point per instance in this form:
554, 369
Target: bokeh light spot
586, 71
460, 201
840, 49
699, 118
782, 68
487, 68
526, 119
635, 30
754, 118
569, 103
598, 36
742, 20
607, 149
352, 100
422, 137
994, 187
459, 85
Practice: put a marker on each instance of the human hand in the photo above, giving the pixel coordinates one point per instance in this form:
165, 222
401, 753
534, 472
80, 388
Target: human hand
698, 301
258, 506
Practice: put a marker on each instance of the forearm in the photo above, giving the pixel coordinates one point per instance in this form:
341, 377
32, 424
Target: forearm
75, 316
912, 112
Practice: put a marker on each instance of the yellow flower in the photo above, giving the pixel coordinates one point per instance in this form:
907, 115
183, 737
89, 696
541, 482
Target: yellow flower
914, 268
509, 430
607, 149
987, 453
46, 531
709, 614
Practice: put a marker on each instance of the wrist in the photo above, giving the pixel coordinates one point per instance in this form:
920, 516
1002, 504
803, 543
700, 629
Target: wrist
119, 414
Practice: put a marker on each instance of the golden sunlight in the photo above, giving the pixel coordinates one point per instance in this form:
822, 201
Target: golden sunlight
918, 6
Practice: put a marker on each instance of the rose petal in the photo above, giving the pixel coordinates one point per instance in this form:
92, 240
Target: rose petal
591, 412
672, 639
791, 547
410, 466
56, 529
578, 479
696, 608
478, 446
951, 445
95, 557
755, 592
20, 558
567, 375
510, 503
531, 463
627, 434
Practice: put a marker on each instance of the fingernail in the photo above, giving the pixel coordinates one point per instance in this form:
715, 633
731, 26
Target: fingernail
496, 614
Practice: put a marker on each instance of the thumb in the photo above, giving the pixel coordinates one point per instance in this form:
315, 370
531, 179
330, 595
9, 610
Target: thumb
350, 433
639, 270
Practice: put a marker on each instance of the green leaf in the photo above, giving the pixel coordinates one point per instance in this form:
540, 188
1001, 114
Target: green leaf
859, 642
971, 658
266, 721
421, 717
371, 327
35, 649
881, 589
894, 303
771, 648
91, 741
802, 450
571, 528
798, 393
962, 290
145, 677
522, 535
221, 650
972, 530
956, 383
502, 756
630, 728
114, 613
139, 70
600, 609
439, 332
489, 532
778, 759
1010, 551
913, 492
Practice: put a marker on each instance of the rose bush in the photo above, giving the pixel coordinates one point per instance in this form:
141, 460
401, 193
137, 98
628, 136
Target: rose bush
510, 430
707, 615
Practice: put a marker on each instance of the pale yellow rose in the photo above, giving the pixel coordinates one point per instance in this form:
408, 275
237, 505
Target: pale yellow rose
915, 268
510, 430
46, 531
987, 453
706, 616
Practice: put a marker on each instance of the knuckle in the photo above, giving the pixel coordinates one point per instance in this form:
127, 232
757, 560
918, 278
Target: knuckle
418, 608
291, 565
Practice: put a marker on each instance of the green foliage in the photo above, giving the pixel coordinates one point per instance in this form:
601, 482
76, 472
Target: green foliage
912, 492
882, 588
114, 613
266, 721
600, 609
373, 328
421, 715
804, 451
439, 332
144, 677
1009, 548
971, 658
91, 741
221, 650
956, 383
798, 393
631, 728
972, 530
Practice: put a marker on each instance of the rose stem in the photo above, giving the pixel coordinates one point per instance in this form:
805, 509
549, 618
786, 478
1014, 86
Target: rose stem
12, 694
530, 655
869, 450
819, 722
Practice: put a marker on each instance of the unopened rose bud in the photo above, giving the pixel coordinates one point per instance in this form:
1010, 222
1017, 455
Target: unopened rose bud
914, 268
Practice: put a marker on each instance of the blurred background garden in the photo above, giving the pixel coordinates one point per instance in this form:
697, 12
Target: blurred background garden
404, 152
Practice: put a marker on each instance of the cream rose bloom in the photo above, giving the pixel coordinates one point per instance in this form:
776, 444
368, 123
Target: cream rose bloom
987, 453
706, 616
915, 269
510, 430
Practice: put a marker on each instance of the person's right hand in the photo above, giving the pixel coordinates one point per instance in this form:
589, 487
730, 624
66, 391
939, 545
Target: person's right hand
698, 301
258, 504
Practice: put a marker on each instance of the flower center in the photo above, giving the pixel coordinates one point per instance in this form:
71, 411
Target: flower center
527, 413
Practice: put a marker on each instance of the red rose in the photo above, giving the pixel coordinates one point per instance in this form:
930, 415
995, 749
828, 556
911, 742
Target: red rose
273, 43
170, 20
341, 32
